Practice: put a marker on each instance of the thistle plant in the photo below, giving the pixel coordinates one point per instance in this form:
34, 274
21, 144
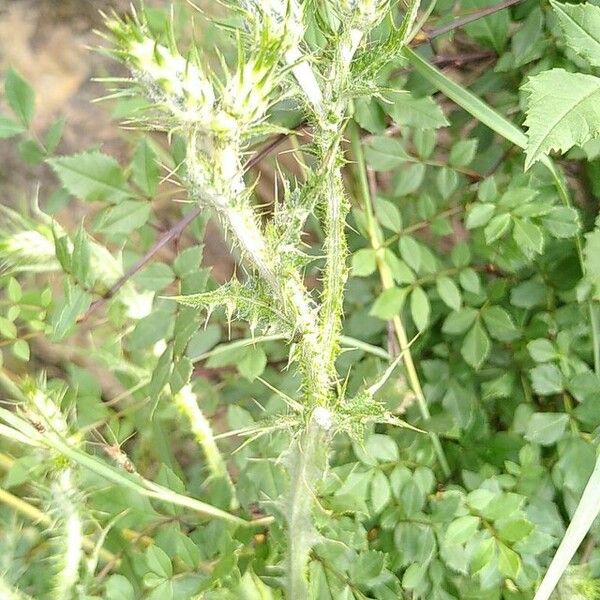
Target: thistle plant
217, 120
396, 272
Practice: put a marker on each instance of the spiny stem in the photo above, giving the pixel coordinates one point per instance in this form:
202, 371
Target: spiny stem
187, 403
37, 516
308, 457
387, 282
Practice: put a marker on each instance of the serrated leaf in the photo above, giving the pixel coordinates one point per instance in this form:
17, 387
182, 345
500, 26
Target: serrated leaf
449, 292
580, 24
542, 350
420, 308
563, 110
253, 363
547, 379
124, 218
9, 128
462, 529
388, 214
20, 96
389, 303
91, 176
476, 346
483, 555
406, 109
562, 222
509, 562
145, 169
497, 227
458, 322
385, 154
479, 215
381, 493
546, 428
364, 262
499, 323
528, 237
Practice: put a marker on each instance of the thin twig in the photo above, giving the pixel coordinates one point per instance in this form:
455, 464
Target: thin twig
171, 234
465, 20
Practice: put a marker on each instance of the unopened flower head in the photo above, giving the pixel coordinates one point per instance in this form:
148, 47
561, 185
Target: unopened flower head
367, 12
167, 77
247, 97
280, 19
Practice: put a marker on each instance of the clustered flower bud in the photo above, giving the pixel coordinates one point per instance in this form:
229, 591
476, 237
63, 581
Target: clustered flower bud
367, 12
169, 79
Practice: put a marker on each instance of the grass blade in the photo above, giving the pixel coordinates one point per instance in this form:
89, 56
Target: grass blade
587, 510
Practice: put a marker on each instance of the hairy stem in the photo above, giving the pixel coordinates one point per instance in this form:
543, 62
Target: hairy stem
387, 282
187, 403
307, 462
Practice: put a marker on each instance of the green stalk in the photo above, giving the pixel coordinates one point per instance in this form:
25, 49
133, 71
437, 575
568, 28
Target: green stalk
133, 482
387, 282
308, 458
187, 403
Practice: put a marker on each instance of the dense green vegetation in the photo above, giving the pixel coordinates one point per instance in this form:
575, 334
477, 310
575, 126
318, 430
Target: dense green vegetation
397, 393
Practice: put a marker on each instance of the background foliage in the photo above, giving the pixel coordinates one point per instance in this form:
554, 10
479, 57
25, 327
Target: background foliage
454, 230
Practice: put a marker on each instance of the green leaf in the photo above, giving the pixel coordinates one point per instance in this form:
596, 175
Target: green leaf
528, 237
563, 110
449, 292
54, 135
462, 530
364, 262
158, 561
118, 588
476, 346
513, 530
581, 25
91, 176
422, 113
497, 227
591, 253
458, 322
21, 350
462, 153
546, 428
20, 96
381, 492
14, 290
509, 562
389, 303
385, 154
492, 30
145, 169
253, 363
388, 214
410, 250
80, 259
9, 128
547, 379
499, 323
155, 277
562, 222
479, 215
74, 303
483, 555
382, 448
8, 329
420, 308
125, 217
542, 350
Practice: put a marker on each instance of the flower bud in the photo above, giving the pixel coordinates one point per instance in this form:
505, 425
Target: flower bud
168, 78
